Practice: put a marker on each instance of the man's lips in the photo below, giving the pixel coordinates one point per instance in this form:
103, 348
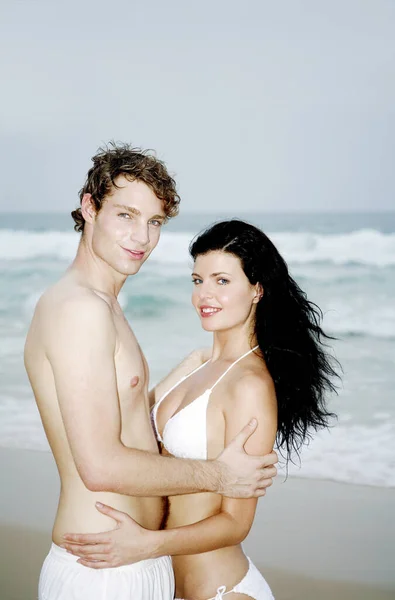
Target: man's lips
208, 311
135, 254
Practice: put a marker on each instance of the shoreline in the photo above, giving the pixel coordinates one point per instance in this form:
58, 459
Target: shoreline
313, 539
281, 477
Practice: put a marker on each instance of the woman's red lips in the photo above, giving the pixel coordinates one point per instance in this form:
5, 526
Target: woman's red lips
208, 311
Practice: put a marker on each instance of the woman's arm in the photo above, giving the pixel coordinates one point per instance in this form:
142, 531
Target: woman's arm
252, 396
128, 543
186, 366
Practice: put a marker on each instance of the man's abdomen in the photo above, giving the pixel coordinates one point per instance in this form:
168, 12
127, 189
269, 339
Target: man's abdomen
77, 513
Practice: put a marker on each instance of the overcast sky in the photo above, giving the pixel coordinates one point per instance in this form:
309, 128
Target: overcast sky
257, 105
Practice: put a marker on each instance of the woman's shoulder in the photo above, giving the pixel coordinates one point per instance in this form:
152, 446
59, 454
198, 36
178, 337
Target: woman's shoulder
195, 359
251, 394
250, 384
190, 363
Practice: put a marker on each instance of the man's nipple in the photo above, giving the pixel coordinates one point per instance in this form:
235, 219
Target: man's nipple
134, 381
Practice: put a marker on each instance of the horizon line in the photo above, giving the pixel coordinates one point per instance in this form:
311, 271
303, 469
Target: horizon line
220, 212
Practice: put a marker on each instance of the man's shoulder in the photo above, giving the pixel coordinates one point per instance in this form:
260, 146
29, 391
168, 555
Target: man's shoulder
62, 302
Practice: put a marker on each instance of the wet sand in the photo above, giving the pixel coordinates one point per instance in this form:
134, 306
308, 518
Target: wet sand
313, 540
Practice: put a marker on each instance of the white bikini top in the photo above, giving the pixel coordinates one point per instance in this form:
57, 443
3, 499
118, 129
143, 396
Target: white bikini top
185, 433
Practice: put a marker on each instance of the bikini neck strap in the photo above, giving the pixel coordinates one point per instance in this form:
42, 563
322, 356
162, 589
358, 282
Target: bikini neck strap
233, 364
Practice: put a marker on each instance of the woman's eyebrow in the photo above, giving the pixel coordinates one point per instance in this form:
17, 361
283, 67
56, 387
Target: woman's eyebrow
212, 274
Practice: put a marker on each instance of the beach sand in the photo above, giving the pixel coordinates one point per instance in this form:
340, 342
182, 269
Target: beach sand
313, 540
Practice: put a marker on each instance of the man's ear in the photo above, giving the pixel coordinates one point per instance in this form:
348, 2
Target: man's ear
258, 293
88, 208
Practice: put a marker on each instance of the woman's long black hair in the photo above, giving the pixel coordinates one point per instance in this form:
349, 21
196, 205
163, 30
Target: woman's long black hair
287, 328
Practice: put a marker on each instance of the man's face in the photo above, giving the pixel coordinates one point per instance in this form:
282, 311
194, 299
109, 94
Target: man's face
127, 227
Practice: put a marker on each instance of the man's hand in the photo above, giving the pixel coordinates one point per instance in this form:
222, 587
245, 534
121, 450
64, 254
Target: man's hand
242, 475
126, 544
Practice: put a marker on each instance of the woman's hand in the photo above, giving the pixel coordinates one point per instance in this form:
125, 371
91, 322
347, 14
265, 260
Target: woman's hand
126, 544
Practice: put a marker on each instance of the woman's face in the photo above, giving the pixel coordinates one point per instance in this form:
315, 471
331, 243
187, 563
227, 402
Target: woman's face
222, 295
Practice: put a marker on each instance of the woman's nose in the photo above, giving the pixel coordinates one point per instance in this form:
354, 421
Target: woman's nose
205, 292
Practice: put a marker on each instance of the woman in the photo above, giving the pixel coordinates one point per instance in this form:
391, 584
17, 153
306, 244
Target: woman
267, 362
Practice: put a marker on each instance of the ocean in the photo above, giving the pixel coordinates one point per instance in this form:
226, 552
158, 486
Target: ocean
345, 263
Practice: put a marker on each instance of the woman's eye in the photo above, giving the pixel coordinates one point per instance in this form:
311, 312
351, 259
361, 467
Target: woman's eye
196, 281
223, 281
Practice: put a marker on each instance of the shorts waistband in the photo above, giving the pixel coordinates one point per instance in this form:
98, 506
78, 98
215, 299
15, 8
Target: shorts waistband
61, 554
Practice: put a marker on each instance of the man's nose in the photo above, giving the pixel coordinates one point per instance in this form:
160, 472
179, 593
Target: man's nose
140, 234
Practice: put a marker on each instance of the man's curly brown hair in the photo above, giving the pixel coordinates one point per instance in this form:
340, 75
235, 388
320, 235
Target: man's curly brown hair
117, 159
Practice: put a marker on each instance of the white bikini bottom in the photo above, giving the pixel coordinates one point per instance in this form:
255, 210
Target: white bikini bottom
252, 585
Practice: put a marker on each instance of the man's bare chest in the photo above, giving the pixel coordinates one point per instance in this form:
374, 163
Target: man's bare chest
130, 366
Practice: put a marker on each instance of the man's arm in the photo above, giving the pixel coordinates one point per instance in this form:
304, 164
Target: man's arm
81, 349
129, 542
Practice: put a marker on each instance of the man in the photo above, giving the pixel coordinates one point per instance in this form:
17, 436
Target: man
90, 381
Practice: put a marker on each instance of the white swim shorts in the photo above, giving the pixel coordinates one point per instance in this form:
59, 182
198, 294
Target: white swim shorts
62, 578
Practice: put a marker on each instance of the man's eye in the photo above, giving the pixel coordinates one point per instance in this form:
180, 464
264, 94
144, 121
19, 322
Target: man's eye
156, 223
125, 215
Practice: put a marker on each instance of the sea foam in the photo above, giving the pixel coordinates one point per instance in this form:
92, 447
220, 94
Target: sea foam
349, 453
366, 247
